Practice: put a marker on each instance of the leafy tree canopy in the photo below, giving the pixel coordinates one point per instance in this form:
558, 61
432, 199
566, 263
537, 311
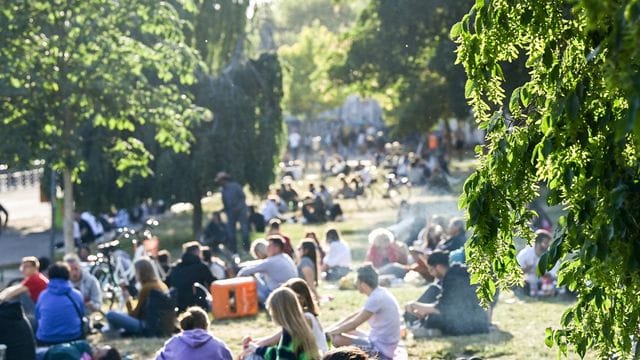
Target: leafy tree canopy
105, 64
72, 65
575, 127
308, 88
401, 50
292, 16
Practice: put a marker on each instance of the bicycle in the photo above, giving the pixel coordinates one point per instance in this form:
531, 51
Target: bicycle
394, 189
113, 266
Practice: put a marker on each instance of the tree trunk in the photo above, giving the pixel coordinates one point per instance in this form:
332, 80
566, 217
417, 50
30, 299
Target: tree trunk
196, 225
69, 245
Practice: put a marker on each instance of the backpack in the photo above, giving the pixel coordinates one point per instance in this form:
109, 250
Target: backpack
159, 315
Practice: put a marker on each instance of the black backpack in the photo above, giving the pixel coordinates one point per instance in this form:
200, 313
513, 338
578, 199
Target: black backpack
159, 315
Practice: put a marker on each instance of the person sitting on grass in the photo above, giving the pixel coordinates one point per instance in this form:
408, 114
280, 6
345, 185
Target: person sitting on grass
388, 256
259, 249
215, 233
188, 271
346, 353
382, 312
457, 235
456, 310
311, 312
272, 271
59, 309
194, 342
132, 322
28, 291
308, 265
274, 229
81, 350
528, 259
297, 340
336, 263
86, 283
16, 332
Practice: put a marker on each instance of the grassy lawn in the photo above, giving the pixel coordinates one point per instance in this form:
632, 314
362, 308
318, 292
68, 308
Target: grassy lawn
520, 323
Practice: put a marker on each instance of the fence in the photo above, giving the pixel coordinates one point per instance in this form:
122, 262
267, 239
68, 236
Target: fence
20, 179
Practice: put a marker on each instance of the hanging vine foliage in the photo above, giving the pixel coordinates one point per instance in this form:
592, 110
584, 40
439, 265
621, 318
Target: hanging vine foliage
575, 127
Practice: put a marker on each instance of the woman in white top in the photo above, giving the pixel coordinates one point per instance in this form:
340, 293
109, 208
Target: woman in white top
338, 259
311, 312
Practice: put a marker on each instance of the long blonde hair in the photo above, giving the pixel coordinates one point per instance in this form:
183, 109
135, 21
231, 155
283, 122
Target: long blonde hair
286, 311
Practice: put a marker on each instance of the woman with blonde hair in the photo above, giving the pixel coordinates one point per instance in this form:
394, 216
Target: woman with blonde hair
132, 321
310, 310
297, 340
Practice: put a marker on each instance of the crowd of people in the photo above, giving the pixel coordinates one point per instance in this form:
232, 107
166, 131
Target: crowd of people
49, 311
50, 306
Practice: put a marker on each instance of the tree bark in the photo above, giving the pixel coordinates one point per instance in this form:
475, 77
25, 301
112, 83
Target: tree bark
196, 225
69, 245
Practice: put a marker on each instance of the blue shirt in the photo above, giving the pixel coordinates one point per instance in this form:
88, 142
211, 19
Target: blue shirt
58, 319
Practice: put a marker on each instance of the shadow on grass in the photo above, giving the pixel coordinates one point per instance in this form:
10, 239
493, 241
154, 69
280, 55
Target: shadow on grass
485, 346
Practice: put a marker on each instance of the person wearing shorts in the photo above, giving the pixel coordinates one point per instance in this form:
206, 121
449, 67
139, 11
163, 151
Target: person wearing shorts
381, 311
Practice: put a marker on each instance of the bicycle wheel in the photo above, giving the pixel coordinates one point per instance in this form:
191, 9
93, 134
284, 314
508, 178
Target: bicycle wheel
111, 292
364, 200
397, 194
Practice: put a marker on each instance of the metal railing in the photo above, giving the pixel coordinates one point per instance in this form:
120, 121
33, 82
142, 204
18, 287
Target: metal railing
20, 179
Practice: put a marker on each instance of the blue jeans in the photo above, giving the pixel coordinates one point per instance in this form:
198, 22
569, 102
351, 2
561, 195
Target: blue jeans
233, 218
263, 290
118, 320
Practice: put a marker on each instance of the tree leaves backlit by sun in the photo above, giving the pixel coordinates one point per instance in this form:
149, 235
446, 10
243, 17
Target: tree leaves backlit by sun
574, 127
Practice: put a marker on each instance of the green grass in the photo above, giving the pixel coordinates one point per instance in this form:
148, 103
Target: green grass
520, 324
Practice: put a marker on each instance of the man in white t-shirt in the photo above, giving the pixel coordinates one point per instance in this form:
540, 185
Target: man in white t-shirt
382, 312
529, 257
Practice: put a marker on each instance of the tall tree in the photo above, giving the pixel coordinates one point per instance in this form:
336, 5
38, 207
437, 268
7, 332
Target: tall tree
575, 125
71, 64
401, 51
292, 16
244, 136
308, 88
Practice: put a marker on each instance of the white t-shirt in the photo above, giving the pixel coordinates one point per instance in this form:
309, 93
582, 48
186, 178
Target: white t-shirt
294, 140
527, 257
318, 333
96, 226
338, 255
385, 321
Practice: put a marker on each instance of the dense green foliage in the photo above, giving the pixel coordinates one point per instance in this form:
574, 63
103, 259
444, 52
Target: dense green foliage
574, 127
401, 51
244, 138
111, 65
70, 66
292, 16
308, 88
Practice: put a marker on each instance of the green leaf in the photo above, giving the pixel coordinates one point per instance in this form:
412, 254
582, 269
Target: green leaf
548, 337
525, 96
468, 88
514, 104
15, 82
456, 30
543, 264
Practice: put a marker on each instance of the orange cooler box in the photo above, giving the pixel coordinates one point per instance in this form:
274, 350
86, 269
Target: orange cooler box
233, 298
